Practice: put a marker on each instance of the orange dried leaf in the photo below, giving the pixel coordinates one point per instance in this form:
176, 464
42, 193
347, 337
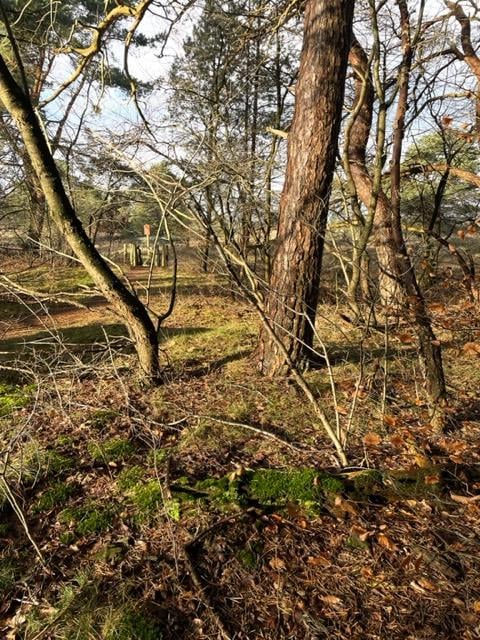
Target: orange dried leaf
372, 439
427, 584
386, 542
318, 561
471, 348
464, 499
422, 461
333, 600
397, 441
277, 564
360, 533
391, 421
345, 506
418, 588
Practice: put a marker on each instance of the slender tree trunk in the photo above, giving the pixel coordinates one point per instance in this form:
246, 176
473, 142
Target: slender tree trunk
430, 350
125, 304
368, 189
312, 145
394, 261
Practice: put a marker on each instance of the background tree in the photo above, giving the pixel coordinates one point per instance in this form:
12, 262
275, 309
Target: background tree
229, 85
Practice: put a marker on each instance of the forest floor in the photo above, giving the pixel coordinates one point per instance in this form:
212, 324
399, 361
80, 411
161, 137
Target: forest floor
212, 506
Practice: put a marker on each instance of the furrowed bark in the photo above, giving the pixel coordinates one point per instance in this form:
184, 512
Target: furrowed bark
312, 144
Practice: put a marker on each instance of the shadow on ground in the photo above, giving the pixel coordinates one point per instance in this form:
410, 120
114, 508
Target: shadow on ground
81, 338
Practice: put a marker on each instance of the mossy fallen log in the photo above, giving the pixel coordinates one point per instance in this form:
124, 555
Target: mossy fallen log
314, 491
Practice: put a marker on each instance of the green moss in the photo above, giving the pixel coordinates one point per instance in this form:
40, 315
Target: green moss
64, 441
111, 450
129, 477
221, 491
330, 484
57, 463
368, 481
135, 625
172, 509
275, 487
103, 417
157, 457
89, 518
56, 496
355, 543
8, 574
70, 592
240, 410
13, 397
110, 553
67, 537
248, 557
147, 498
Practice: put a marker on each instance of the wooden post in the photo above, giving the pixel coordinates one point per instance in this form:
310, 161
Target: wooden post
139, 256
164, 255
132, 254
147, 230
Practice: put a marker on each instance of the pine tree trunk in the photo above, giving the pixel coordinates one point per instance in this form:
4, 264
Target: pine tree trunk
312, 145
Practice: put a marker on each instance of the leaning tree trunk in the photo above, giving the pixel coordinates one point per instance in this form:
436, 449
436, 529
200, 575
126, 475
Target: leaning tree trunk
127, 306
393, 257
37, 209
367, 189
312, 145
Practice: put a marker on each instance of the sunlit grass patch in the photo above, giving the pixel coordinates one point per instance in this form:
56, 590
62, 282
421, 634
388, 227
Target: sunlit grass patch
13, 397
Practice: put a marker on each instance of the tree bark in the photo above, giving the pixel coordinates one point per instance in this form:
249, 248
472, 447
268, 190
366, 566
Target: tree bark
364, 183
127, 306
393, 257
312, 144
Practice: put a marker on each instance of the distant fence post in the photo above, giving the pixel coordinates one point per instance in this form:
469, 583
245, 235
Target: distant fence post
164, 256
134, 253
